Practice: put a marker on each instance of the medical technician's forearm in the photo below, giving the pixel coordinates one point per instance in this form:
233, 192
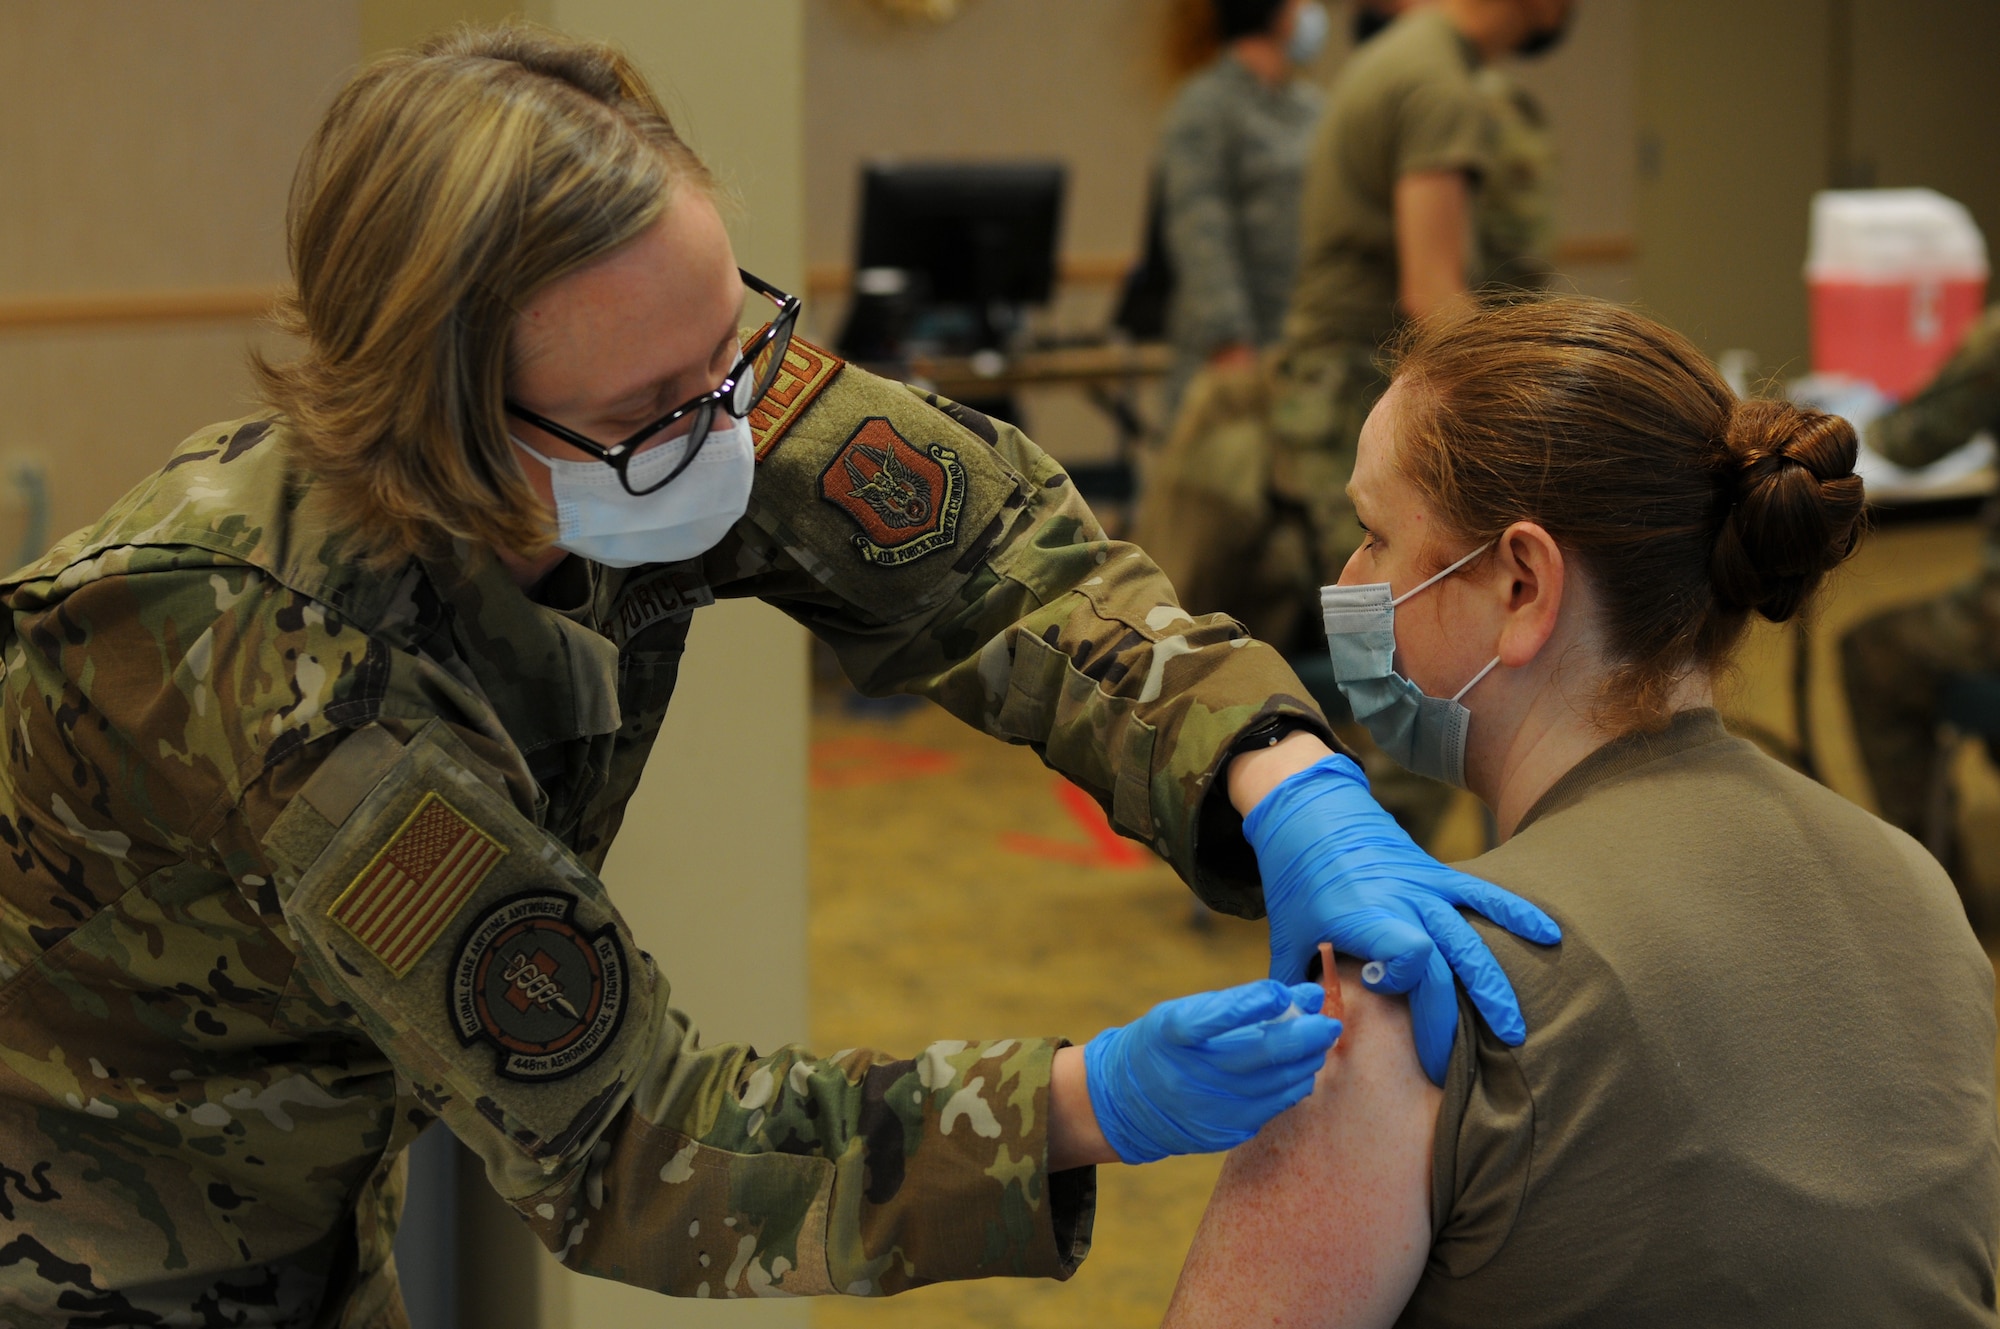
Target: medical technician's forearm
1074, 1139
1255, 774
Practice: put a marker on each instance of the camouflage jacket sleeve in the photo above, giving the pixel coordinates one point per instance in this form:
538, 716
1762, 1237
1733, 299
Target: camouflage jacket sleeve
492, 969
941, 553
1963, 399
281, 874
1211, 295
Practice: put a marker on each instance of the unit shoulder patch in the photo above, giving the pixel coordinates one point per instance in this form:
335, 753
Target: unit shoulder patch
397, 906
804, 375
905, 499
547, 996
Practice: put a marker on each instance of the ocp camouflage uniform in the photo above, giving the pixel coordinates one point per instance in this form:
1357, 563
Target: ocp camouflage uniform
1895, 662
303, 857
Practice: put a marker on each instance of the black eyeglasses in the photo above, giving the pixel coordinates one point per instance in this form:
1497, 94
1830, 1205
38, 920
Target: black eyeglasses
763, 356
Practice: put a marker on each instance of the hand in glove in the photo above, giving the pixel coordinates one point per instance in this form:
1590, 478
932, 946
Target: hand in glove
1338, 868
1203, 1073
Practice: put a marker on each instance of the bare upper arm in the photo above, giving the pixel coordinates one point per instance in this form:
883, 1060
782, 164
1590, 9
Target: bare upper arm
1433, 231
1324, 1217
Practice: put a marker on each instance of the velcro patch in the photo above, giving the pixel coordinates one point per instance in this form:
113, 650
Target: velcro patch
905, 499
398, 905
804, 375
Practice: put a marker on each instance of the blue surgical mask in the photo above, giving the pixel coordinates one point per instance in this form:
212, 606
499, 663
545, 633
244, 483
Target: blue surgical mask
598, 519
1309, 33
1421, 733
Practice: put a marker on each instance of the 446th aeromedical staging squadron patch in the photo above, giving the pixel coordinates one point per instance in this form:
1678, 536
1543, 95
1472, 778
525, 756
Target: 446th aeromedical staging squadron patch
546, 995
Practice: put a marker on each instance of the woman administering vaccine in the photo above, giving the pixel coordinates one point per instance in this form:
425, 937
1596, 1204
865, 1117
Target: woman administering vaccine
1758, 1085
318, 739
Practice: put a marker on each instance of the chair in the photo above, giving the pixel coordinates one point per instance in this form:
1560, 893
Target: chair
1968, 708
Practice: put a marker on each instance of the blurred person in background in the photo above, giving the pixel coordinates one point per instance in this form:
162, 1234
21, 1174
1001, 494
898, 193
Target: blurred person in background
1425, 180
1232, 158
1896, 663
1409, 146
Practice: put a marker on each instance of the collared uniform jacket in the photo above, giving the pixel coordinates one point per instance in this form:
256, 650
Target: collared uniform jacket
302, 855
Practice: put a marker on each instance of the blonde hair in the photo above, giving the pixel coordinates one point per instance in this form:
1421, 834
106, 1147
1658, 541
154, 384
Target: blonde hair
445, 187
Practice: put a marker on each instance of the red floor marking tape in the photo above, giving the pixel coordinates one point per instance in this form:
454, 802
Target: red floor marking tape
842, 763
1106, 848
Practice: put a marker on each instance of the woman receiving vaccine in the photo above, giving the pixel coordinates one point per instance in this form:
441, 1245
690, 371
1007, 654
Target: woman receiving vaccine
1758, 1083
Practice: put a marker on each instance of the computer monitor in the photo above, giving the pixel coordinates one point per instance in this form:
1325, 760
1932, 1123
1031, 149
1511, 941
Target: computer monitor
978, 237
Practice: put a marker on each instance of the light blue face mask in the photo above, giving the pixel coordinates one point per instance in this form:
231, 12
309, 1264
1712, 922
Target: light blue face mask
597, 518
1421, 733
1309, 33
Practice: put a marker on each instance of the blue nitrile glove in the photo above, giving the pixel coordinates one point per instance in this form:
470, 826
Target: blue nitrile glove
1338, 868
1203, 1073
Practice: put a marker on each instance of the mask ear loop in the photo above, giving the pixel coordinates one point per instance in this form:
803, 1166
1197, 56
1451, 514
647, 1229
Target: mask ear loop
1424, 586
532, 453
1490, 665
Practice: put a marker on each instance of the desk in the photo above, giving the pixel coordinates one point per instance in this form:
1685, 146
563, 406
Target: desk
1900, 506
1110, 365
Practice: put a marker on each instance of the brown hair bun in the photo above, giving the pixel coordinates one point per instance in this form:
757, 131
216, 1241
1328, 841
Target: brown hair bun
1688, 508
1793, 506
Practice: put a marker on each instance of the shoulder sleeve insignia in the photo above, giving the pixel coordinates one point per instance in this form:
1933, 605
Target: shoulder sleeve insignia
410, 891
906, 499
806, 372
546, 995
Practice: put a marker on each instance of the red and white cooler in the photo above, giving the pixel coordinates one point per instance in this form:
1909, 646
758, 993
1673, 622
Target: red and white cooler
1896, 277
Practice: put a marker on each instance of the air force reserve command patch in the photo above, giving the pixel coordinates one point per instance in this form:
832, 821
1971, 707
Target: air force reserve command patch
545, 995
905, 499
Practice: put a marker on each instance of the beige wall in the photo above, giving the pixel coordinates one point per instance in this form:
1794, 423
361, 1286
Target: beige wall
1926, 103
1084, 81
143, 147
1076, 80
1733, 121
1588, 87
1742, 108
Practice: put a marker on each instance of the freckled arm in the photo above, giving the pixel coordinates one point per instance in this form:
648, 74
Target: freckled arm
1324, 1218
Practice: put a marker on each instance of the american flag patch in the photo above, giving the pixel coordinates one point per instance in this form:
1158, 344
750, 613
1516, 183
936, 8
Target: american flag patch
409, 891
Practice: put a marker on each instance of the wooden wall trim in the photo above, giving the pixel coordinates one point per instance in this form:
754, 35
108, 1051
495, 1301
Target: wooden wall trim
218, 304
1109, 269
113, 308
1587, 249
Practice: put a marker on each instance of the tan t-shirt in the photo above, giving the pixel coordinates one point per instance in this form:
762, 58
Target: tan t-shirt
1405, 103
1758, 1085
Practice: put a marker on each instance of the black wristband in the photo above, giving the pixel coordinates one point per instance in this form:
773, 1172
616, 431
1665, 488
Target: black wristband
1269, 733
